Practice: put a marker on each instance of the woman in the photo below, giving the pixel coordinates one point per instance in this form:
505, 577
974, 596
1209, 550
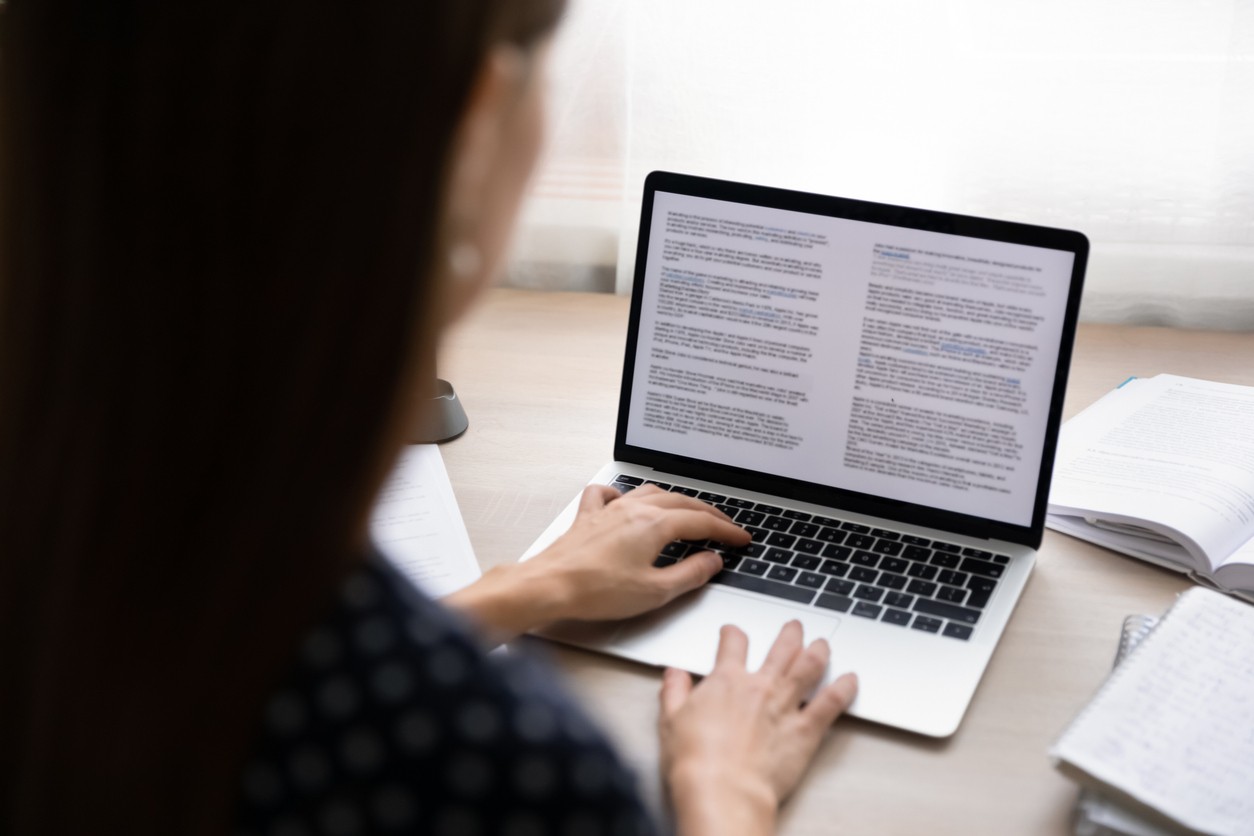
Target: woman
232, 234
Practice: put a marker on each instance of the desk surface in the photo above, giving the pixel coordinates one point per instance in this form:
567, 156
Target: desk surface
539, 375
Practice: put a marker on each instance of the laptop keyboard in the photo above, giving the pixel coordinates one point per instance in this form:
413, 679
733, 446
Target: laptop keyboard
911, 582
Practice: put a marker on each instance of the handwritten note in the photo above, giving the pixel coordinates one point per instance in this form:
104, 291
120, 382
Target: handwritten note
1174, 725
416, 523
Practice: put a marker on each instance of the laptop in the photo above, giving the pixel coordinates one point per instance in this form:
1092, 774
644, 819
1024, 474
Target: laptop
875, 393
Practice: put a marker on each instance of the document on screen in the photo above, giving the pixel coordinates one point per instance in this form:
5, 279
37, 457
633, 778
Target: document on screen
904, 363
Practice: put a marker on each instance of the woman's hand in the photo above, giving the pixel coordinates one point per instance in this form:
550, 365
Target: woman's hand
605, 561
602, 568
737, 744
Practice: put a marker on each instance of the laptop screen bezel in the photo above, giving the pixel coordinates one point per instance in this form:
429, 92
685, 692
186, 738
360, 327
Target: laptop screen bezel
870, 212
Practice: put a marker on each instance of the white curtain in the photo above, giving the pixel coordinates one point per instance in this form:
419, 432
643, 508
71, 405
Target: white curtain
1130, 120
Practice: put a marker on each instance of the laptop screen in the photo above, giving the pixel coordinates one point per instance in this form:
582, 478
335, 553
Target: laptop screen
902, 358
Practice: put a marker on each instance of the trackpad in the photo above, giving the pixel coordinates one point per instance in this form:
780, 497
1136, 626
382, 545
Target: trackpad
685, 633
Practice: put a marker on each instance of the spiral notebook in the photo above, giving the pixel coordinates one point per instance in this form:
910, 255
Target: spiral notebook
1170, 735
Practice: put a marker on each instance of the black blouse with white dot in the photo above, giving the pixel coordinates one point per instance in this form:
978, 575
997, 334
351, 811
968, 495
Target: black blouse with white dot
392, 720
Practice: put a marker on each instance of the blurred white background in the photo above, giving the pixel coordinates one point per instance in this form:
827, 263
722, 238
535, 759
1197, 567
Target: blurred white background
1129, 120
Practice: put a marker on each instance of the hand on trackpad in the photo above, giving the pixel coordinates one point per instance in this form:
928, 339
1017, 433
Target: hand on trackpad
685, 634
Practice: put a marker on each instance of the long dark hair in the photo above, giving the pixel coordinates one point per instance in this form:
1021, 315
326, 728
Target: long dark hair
217, 231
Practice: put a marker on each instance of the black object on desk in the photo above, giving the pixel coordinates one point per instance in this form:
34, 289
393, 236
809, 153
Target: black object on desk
444, 419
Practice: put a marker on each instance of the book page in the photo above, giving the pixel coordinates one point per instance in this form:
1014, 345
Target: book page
1171, 451
1168, 555
1236, 573
902, 363
417, 525
1173, 727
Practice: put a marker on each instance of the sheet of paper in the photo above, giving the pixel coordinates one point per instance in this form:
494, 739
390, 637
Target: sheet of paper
1102, 813
416, 523
1171, 451
1174, 726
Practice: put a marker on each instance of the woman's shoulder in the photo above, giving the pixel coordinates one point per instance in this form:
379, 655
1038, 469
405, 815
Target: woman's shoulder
390, 718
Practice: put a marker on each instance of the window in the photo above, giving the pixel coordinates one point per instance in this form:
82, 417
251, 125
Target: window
1130, 120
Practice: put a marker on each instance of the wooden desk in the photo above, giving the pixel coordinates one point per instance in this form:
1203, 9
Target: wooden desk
539, 375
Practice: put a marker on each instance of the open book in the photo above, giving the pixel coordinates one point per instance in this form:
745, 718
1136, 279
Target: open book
1168, 736
1162, 469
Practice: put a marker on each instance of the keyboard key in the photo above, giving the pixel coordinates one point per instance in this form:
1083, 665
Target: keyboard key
809, 546
885, 534
1001, 558
915, 541
840, 603
856, 528
899, 617
664, 486
981, 591
863, 574
811, 581
899, 599
685, 491
751, 550
759, 535
869, 593
768, 509
927, 625
677, 549
867, 610
916, 553
958, 631
729, 510
630, 480
808, 562
865, 559
886, 547
832, 567
947, 547
747, 517
782, 573
739, 503
622, 487
924, 588
952, 594
894, 564
922, 570
753, 584
730, 561
776, 524
797, 515
950, 611
980, 553
838, 552
754, 567
663, 561
784, 541
945, 560
804, 529
840, 587
778, 556
890, 581
860, 541
825, 521
832, 535
712, 498
953, 578
982, 567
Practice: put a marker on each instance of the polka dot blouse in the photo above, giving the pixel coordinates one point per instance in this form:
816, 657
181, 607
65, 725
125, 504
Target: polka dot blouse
391, 720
